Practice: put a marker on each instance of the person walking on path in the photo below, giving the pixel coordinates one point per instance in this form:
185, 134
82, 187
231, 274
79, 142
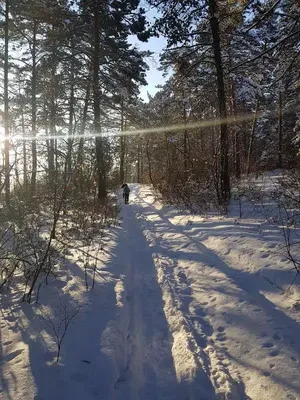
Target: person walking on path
126, 192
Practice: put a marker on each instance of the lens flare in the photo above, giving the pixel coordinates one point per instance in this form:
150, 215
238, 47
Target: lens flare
144, 131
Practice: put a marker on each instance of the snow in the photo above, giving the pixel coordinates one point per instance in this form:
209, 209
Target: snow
184, 307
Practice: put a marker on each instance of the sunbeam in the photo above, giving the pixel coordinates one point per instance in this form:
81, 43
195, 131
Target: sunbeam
155, 129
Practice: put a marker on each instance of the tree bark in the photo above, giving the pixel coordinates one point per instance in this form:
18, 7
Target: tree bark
102, 191
33, 110
138, 166
25, 182
185, 156
6, 110
224, 165
236, 133
71, 111
122, 144
250, 148
52, 128
81, 140
149, 161
280, 119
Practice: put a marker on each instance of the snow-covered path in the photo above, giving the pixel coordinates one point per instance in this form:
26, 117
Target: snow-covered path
150, 373
201, 327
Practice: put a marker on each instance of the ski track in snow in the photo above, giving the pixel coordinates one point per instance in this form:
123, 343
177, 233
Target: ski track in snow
188, 310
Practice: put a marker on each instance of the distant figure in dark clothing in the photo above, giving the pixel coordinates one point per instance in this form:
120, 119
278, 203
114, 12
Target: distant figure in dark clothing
126, 192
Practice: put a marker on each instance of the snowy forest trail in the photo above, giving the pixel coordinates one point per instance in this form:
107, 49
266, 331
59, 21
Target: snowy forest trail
200, 328
184, 307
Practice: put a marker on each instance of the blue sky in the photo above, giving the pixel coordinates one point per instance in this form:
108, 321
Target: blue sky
154, 77
155, 45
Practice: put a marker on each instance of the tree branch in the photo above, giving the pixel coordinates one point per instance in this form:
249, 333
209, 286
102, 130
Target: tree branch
265, 52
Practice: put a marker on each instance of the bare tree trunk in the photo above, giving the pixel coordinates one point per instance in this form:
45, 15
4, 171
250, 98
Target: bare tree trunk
138, 166
224, 165
25, 182
122, 143
149, 161
279, 160
51, 152
250, 148
236, 133
185, 155
244, 138
81, 140
33, 110
71, 111
6, 111
142, 162
102, 191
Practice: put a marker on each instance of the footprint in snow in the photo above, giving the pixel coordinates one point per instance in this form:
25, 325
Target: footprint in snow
264, 255
221, 337
274, 353
10, 318
13, 355
185, 245
182, 275
199, 312
276, 336
267, 345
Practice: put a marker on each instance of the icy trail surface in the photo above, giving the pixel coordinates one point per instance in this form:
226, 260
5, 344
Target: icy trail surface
184, 308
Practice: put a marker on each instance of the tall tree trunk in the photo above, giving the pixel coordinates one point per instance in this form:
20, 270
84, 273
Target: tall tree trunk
185, 155
25, 182
33, 109
71, 110
97, 111
149, 160
280, 119
244, 138
224, 165
52, 122
236, 133
142, 162
138, 165
122, 143
6, 111
81, 140
250, 148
